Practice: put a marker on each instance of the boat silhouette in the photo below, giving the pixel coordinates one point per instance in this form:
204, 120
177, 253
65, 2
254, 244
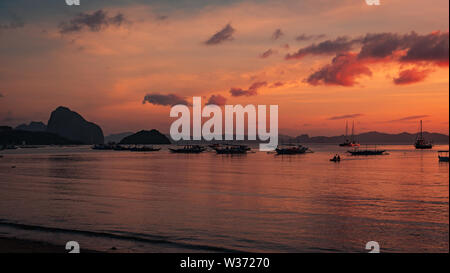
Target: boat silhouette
188, 149
421, 143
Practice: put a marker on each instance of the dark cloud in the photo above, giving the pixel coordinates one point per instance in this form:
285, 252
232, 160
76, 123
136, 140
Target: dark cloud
328, 47
251, 91
217, 100
225, 34
410, 76
343, 70
96, 21
1, 95
162, 17
306, 37
433, 47
346, 116
410, 118
277, 34
277, 84
267, 53
166, 100
15, 22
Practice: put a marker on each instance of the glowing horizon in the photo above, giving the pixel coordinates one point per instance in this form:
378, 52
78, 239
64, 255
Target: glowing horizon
322, 64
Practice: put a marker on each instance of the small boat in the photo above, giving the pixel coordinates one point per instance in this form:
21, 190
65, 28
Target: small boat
443, 156
189, 149
9, 147
103, 147
291, 149
366, 151
144, 149
232, 149
348, 142
421, 143
120, 148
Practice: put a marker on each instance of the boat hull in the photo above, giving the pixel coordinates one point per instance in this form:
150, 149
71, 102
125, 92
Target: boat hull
380, 152
423, 146
443, 159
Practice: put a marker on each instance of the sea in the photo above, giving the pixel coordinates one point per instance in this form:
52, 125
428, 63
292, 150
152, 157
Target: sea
159, 202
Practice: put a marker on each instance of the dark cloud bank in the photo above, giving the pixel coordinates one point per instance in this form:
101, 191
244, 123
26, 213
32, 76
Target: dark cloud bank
94, 22
414, 49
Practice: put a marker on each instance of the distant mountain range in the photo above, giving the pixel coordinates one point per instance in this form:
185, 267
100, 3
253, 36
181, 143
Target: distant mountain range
369, 138
68, 127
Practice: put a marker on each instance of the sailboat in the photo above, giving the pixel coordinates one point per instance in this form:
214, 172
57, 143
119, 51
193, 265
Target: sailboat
349, 142
421, 143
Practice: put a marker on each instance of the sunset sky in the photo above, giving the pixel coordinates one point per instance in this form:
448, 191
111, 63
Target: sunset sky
122, 64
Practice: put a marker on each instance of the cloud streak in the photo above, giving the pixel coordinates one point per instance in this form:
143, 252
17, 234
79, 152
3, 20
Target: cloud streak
410, 118
329, 47
267, 53
306, 37
93, 22
164, 100
225, 34
251, 91
345, 116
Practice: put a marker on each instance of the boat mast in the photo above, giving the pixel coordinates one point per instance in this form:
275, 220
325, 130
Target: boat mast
353, 130
421, 133
346, 129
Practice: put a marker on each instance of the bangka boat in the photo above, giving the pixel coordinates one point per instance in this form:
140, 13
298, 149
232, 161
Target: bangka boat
102, 147
144, 149
366, 151
349, 142
291, 149
443, 156
189, 149
232, 149
421, 143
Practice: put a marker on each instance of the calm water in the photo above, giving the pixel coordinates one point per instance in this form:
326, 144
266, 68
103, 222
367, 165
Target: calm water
260, 202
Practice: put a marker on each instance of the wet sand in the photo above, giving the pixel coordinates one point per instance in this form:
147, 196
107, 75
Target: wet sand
14, 245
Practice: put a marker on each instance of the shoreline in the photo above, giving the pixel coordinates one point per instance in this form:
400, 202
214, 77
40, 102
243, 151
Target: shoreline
16, 245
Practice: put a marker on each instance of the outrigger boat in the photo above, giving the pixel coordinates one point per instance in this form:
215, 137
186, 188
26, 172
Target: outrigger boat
421, 143
144, 149
366, 151
291, 149
349, 142
189, 149
103, 147
443, 156
231, 149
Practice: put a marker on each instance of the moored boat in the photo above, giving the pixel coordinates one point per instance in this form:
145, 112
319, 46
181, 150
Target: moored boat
366, 151
349, 142
291, 149
189, 149
231, 149
421, 143
443, 156
144, 149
